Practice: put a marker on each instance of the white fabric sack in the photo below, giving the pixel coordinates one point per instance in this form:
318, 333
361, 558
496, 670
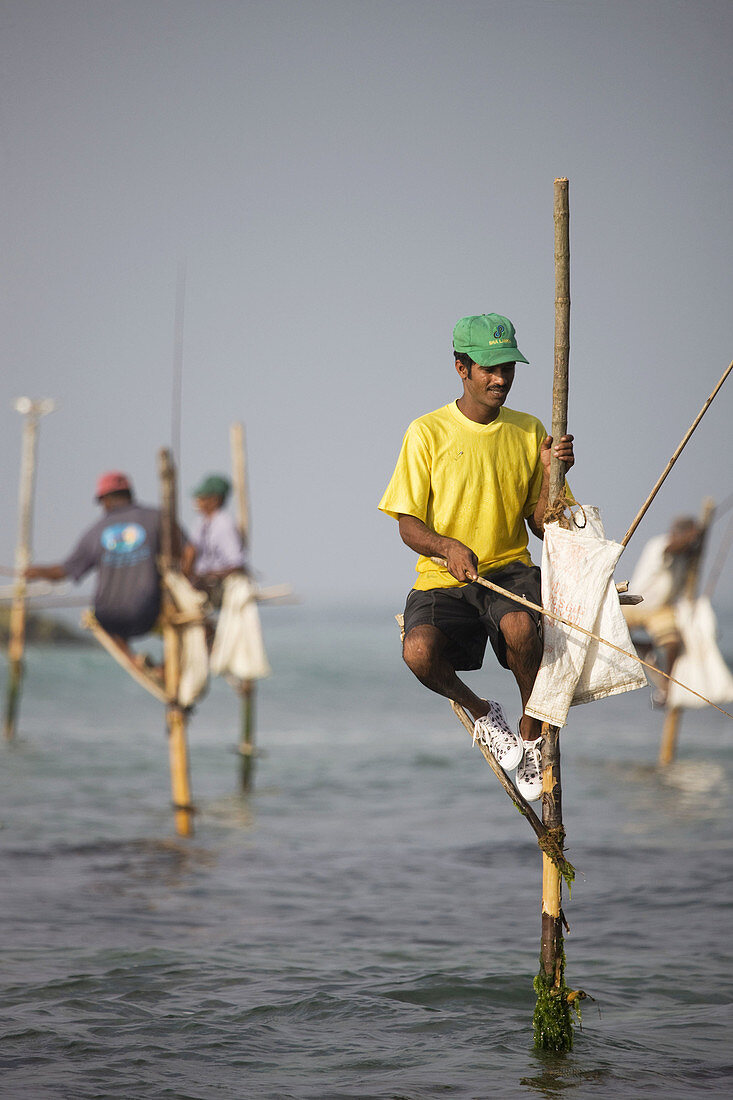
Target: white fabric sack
701, 664
577, 583
194, 653
238, 648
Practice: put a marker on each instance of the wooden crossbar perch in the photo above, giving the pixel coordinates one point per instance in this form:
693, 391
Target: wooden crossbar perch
42, 601
90, 622
546, 840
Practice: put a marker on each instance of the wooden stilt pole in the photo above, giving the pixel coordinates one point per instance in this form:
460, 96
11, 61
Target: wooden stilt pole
673, 715
176, 715
247, 750
32, 411
246, 688
670, 732
552, 1024
239, 480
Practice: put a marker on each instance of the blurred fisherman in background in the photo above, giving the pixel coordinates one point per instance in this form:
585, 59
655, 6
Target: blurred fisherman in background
123, 546
217, 548
661, 577
216, 563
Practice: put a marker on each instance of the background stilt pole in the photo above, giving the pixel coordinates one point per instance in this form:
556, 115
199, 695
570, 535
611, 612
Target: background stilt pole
247, 688
670, 732
247, 750
176, 715
32, 411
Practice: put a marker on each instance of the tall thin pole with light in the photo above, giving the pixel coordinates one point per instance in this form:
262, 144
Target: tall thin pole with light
31, 411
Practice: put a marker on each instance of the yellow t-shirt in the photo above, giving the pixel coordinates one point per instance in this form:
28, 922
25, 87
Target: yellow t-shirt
472, 482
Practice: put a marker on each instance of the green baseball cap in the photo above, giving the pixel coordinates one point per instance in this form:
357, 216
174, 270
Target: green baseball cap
489, 339
212, 486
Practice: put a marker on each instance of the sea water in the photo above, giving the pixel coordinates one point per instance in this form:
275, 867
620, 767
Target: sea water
367, 922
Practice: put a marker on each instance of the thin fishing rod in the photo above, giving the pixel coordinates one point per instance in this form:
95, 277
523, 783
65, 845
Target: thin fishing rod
177, 389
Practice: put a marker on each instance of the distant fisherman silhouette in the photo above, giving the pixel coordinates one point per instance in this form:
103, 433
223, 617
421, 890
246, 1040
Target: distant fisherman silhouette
661, 578
216, 550
123, 546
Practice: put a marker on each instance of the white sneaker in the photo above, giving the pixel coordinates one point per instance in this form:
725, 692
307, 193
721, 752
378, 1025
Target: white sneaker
528, 779
495, 733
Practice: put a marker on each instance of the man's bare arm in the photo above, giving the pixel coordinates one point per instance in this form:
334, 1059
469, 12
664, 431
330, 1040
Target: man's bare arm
462, 562
45, 573
564, 451
188, 555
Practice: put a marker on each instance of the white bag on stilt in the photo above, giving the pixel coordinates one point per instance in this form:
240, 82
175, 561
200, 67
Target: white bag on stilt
194, 653
701, 663
577, 583
238, 648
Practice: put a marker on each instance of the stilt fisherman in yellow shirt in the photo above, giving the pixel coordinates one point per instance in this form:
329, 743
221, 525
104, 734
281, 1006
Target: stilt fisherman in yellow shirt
470, 479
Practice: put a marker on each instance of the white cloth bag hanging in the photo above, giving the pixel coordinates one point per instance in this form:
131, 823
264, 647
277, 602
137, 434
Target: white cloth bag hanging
577, 584
700, 664
238, 648
194, 654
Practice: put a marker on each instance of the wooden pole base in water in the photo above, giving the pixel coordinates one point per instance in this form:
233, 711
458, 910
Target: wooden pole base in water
552, 1019
176, 723
550, 958
247, 750
180, 779
670, 732
16, 662
15, 681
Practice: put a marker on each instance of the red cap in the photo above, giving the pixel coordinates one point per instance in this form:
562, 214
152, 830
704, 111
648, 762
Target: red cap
113, 482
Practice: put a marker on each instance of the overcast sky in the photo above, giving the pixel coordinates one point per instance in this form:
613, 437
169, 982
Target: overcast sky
343, 180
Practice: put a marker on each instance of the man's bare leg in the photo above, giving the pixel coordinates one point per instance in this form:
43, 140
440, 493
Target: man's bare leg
670, 652
423, 651
524, 656
123, 645
138, 659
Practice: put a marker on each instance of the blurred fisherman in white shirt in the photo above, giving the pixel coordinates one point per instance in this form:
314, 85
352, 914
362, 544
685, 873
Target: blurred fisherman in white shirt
661, 577
217, 548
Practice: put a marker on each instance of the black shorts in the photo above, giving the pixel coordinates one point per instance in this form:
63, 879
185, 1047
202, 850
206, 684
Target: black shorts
471, 614
128, 622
